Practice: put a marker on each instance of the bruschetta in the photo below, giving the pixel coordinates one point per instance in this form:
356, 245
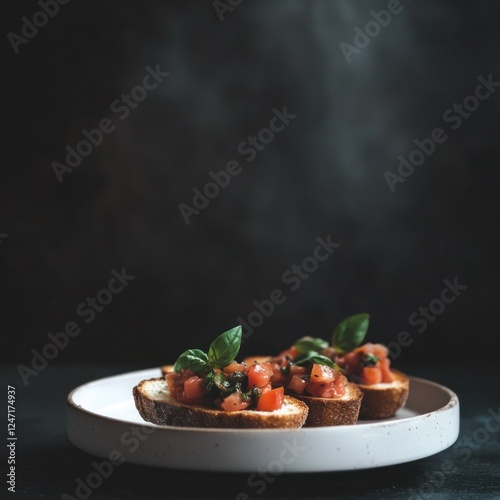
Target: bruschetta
155, 403
383, 389
317, 381
213, 390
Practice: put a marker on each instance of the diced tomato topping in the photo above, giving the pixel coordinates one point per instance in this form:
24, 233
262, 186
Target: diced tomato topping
170, 378
378, 350
259, 374
326, 389
234, 402
298, 370
235, 367
297, 384
319, 390
266, 388
322, 374
278, 377
193, 390
271, 400
368, 364
352, 358
341, 384
387, 375
371, 375
326, 382
176, 381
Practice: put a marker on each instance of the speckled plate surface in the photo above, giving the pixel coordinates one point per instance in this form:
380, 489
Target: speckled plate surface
102, 420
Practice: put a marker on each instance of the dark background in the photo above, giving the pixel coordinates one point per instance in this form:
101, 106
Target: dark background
323, 175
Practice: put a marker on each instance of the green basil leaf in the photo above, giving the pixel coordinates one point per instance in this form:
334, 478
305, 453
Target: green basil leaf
310, 344
225, 348
209, 382
369, 360
350, 333
194, 359
313, 357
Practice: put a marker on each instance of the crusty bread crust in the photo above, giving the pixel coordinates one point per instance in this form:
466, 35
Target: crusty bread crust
155, 404
385, 399
331, 411
167, 369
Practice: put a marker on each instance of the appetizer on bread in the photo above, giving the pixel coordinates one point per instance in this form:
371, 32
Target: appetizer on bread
385, 390
366, 366
213, 390
316, 380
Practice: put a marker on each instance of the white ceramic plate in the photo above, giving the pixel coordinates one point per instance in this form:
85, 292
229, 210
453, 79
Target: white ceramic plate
103, 421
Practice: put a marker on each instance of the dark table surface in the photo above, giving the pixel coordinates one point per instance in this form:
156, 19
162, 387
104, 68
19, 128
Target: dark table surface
47, 464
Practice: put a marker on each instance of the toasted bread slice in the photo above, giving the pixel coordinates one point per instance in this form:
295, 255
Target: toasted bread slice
385, 399
167, 369
331, 411
155, 404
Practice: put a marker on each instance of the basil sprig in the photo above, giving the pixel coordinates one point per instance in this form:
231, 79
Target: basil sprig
222, 351
350, 332
306, 344
194, 359
225, 348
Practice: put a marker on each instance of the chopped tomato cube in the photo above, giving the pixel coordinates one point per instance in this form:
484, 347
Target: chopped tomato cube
266, 388
234, 366
322, 374
319, 390
193, 390
175, 382
385, 365
271, 400
298, 370
234, 402
352, 358
326, 382
297, 384
379, 350
371, 375
259, 374
278, 377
